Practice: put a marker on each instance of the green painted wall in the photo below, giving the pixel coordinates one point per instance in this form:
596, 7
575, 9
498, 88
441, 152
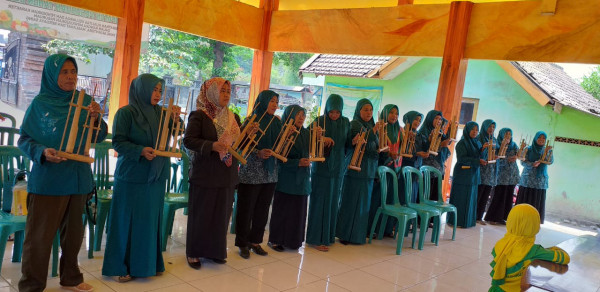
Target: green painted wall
573, 190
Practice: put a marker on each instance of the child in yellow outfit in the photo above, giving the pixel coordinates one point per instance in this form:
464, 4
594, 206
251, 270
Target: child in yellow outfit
517, 249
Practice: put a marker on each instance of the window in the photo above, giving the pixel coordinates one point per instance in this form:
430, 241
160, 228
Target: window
468, 110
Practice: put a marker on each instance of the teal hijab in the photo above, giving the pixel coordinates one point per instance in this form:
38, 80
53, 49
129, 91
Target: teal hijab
392, 129
46, 117
535, 153
483, 134
511, 145
361, 103
472, 144
337, 130
301, 144
268, 140
428, 126
147, 116
410, 116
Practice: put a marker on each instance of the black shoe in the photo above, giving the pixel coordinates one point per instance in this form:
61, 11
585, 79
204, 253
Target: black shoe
258, 250
194, 265
344, 242
219, 261
245, 252
276, 247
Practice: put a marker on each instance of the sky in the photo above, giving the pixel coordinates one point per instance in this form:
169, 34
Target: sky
577, 71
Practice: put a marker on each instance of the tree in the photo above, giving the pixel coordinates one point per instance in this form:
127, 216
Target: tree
591, 83
286, 66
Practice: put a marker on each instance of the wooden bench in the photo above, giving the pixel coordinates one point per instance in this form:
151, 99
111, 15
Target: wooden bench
582, 274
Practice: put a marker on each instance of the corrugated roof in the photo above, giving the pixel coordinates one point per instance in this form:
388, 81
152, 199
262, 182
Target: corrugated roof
343, 65
559, 86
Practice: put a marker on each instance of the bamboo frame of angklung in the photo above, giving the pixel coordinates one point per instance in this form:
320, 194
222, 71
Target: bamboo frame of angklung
245, 143
522, 152
316, 151
491, 148
408, 142
285, 140
161, 147
89, 128
453, 129
504, 145
359, 150
383, 138
435, 139
546, 157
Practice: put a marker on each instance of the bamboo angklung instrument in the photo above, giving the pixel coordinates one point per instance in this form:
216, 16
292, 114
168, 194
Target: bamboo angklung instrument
491, 148
504, 145
162, 148
285, 140
435, 138
316, 150
453, 129
246, 141
546, 157
383, 138
407, 146
359, 150
522, 152
89, 128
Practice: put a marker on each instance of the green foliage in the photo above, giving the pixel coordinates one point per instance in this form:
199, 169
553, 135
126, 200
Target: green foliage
311, 114
79, 50
591, 83
285, 68
237, 110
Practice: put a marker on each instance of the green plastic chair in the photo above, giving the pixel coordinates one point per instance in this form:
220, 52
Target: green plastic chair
103, 189
233, 213
11, 159
403, 214
7, 136
439, 204
12, 119
176, 199
423, 210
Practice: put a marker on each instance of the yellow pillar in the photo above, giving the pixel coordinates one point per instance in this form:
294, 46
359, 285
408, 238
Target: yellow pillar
263, 59
127, 54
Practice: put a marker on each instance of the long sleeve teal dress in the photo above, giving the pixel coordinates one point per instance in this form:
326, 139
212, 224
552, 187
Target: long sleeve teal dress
133, 242
465, 179
353, 215
327, 178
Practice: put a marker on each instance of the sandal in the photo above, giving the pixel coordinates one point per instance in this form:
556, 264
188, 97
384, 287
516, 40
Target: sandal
323, 248
124, 279
82, 287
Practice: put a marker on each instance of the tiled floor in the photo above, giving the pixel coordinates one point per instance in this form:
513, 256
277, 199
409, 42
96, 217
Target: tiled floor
461, 265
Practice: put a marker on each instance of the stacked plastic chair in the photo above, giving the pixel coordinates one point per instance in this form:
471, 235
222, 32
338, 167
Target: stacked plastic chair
176, 198
444, 207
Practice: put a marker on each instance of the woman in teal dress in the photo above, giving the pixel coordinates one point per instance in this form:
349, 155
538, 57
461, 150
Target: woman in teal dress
423, 144
488, 171
465, 178
133, 242
391, 159
412, 118
57, 188
327, 177
356, 193
534, 179
288, 214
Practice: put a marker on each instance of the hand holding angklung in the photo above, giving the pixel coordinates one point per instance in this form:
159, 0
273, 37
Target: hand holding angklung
94, 108
219, 146
264, 153
176, 112
482, 162
148, 153
328, 141
304, 162
50, 154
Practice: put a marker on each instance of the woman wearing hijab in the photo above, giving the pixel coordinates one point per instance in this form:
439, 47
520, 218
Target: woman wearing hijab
358, 185
534, 179
211, 130
488, 171
465, 178
288, 215
133, 242
423, 142
327, 177
517, 249
258, 178
412, 118
57, 188
391, 159
508, 178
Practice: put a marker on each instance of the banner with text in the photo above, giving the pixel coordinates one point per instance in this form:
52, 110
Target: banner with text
351, 96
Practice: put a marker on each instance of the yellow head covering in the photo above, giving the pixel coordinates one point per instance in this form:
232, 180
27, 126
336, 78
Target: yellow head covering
522, 225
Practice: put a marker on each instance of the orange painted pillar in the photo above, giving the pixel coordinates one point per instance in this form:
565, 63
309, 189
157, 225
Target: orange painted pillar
404, 2
454, 69
263, 59
127, 55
